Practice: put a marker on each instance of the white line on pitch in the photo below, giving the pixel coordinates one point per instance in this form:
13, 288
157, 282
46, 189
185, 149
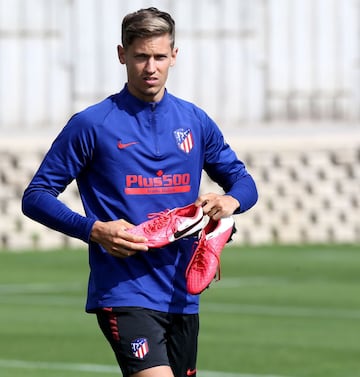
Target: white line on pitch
7, 292
99, 368
39, 288
280, 311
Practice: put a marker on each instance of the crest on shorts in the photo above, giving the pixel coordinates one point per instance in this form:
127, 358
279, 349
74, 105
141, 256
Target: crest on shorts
184, 139
140, 347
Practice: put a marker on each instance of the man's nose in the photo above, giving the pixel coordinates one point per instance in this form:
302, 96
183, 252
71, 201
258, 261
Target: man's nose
150, 65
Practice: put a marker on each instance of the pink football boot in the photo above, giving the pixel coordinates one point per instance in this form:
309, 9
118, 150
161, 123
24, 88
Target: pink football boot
170, 225
205, 262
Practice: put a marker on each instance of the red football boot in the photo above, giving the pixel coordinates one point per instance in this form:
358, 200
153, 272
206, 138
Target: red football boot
170, 225
205, 262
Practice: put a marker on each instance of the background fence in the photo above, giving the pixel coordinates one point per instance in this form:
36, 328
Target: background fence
245, 61
280, 77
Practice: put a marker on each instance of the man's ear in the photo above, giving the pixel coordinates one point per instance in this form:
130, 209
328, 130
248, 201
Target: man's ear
173, 56
121, 54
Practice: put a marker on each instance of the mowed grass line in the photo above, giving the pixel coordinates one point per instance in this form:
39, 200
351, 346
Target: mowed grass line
282, 311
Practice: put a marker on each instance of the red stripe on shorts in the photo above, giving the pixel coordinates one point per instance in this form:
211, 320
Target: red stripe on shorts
113, 324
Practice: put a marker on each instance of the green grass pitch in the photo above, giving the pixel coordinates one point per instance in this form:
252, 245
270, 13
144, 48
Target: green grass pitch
278, 311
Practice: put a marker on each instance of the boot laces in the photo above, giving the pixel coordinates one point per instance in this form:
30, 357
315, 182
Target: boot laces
199, 263
160, 221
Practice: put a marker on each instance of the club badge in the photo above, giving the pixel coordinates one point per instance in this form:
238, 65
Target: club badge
140, 347
184, 139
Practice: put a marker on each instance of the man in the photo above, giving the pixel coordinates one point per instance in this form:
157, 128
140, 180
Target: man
128, 157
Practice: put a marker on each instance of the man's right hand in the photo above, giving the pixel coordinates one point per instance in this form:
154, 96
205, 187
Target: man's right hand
114, 238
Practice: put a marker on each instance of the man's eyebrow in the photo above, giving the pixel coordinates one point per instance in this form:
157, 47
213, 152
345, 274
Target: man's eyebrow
144, 54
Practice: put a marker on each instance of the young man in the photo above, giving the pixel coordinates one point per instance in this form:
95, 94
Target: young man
138, 152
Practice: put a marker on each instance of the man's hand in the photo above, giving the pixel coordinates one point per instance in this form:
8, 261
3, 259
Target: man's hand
114, 238
216, 205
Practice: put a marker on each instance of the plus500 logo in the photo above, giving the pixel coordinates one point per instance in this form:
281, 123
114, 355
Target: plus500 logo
167, 183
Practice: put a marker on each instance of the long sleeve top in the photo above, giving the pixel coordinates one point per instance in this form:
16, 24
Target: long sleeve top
131, 158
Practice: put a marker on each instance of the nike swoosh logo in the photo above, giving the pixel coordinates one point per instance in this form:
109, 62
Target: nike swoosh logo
190, 372
121, 145
180, 233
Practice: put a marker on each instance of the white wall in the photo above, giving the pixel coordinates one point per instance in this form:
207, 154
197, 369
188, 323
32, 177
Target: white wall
244, 61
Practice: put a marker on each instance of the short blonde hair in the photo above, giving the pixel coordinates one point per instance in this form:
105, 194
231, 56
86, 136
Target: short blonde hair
146, 23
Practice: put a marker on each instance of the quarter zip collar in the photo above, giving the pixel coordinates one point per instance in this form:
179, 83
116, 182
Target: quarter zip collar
126, 101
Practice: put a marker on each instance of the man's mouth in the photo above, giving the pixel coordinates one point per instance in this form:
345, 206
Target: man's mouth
150, 80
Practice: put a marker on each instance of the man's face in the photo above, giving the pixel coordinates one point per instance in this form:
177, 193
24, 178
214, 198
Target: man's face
147, 63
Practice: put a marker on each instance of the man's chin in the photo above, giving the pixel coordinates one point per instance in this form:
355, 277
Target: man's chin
153, 94
147, 94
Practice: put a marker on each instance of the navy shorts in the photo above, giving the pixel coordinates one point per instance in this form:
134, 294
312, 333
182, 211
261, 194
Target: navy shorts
143, 338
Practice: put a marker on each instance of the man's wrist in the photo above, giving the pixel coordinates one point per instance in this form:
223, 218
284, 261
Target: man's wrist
95, 231
236, 204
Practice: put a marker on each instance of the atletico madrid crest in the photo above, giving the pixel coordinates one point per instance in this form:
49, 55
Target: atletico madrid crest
184, 139
140, 347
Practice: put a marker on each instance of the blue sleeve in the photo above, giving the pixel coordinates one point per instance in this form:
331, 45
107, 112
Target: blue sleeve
223, 167
66, 158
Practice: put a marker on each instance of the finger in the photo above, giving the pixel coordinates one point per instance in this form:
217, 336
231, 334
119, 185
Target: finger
123, 248
217, 216
128, 254
214, 211
134, 246
207, 207
134, 238
201, 201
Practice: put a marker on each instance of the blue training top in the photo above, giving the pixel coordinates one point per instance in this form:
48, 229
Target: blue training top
131, 158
